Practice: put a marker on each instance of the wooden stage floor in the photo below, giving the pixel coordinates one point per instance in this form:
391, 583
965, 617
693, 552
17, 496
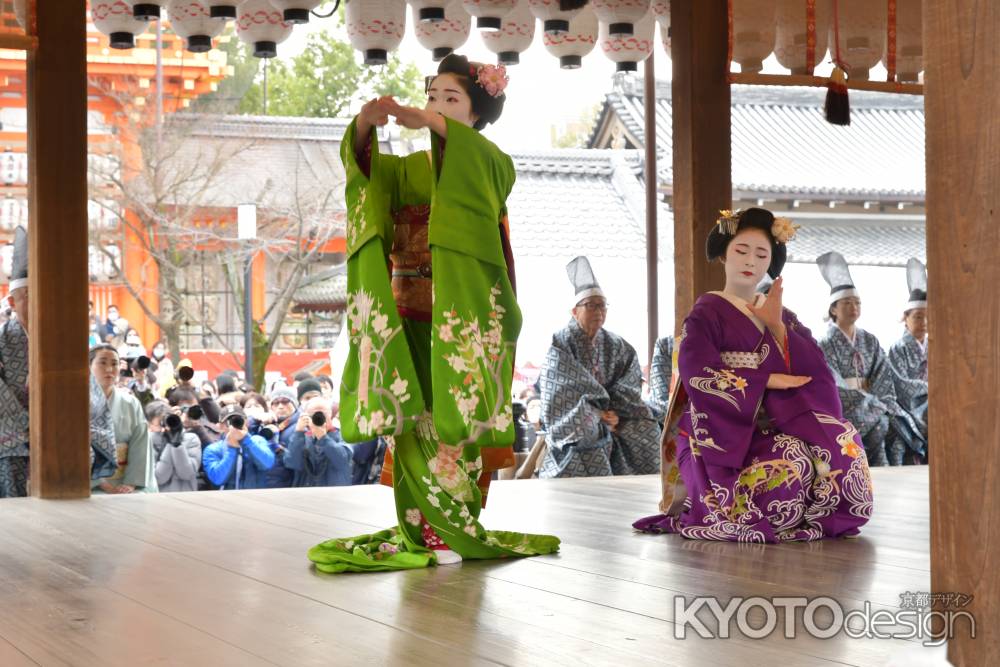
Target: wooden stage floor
222, 579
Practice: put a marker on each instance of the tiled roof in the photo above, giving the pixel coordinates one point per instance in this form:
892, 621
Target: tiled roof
325, 296
783, 146
588, 202
884, 240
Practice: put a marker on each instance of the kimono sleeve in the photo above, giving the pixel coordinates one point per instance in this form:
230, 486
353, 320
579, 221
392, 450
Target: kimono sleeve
476, 318
380, 391
723, 402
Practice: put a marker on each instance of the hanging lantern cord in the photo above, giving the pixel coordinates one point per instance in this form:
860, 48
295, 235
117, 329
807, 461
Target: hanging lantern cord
333, 11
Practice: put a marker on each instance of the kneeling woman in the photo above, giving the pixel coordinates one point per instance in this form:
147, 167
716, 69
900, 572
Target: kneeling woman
755, 447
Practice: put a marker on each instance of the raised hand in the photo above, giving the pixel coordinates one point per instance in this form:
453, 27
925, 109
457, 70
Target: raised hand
770, 311
409, 117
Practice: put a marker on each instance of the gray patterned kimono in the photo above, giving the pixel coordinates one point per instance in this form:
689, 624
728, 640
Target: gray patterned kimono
660, 371
909, 359
866, 382
13, 410
582, 378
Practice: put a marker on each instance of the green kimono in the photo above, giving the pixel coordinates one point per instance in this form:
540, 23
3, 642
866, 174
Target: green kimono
436, 387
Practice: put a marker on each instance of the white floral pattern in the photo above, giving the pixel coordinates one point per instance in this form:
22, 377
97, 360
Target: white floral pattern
478, 356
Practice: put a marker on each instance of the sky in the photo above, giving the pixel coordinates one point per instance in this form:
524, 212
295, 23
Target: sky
540, 94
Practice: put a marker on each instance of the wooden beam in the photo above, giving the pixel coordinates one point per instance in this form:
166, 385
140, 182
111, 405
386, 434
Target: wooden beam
57, 186
701, 139
963, 234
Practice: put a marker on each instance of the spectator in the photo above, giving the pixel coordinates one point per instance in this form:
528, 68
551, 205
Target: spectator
277, 426
121, 460
326, 387
95, 327
177, 451
225, 384
115, 326
239, 460
132, 348
308, 389
143, 381
317, 454
208, 389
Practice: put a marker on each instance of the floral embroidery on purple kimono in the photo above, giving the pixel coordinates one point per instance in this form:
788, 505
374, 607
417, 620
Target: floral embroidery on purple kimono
757, 465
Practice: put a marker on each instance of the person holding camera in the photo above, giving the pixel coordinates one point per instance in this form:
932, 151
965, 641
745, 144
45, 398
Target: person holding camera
239, 460
317, 455
143, 380
177, 452
277, 426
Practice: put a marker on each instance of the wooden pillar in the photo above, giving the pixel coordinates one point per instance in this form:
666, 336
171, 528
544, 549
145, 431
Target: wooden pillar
701, 136
57, 195
963, 237
652, 209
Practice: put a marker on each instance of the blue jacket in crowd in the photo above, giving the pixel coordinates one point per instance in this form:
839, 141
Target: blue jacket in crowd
278, 476
253, 459
326, 461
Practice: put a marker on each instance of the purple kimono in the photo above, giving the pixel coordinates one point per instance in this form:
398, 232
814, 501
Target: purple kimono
745, 463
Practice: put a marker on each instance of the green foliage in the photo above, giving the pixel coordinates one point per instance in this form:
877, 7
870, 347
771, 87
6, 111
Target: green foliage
325, 79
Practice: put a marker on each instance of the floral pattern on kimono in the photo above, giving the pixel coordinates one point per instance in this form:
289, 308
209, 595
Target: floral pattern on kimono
745, 463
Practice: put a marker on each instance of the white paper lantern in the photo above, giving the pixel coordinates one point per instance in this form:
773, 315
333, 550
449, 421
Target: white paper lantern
224, 10
261, 26
661, 10
553, 19
429, 11
753, 33
862, 35
190, 19
146, 10
791, 35
446, 35
618, 17
375, 27
296, 11
572, 45
909, 41
628, 50
514, 37
114, 18
489, 13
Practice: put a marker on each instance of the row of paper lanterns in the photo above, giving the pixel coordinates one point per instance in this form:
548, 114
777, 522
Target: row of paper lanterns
624, 28
761, 27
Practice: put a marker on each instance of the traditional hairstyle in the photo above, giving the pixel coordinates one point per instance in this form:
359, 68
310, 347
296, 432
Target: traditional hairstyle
487, 95
779, 231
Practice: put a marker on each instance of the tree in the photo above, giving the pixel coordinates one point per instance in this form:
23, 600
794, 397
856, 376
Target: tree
159, 182
324, 80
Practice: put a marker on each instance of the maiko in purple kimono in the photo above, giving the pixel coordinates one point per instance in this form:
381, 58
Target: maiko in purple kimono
755, 448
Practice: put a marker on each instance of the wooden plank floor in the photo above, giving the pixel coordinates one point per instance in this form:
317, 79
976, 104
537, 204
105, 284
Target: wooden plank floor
222, 579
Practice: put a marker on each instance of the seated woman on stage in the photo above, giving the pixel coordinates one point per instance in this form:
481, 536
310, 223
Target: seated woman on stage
755, 448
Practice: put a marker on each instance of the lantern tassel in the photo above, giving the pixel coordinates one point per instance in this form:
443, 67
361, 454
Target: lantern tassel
838, 105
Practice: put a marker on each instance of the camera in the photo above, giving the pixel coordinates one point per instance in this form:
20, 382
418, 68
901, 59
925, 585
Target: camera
318, 419
193, 412
269, 433
173, 423
125, 373
141, 363
237, 421
185, 373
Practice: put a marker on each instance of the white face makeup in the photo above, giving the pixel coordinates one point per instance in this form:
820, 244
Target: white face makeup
747, 258
448, 98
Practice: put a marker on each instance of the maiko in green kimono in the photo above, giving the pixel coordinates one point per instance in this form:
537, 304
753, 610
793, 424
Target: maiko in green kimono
433, 324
